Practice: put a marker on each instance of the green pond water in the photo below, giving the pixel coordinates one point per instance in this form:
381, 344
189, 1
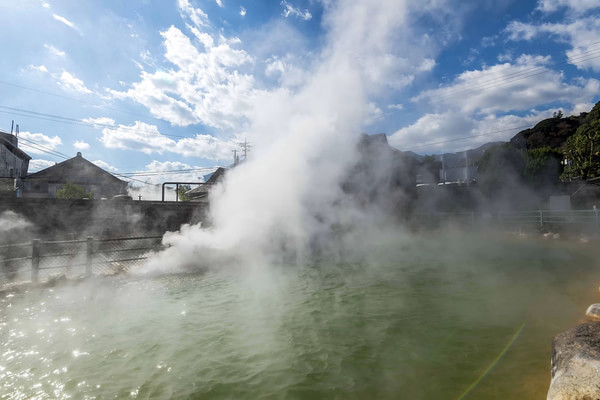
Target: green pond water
420, 319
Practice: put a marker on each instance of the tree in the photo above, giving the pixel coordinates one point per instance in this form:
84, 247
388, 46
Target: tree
582, 150
73, 191
181, 192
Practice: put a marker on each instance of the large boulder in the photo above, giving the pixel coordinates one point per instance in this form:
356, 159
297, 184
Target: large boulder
576, 364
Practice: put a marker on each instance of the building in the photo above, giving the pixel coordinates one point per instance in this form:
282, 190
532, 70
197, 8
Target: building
200, 193
14, 163
76, 170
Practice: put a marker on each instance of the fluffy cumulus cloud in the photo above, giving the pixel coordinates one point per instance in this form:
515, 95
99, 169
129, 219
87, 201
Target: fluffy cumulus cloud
81, 145
196, 15
140, 136
509, 86
148, 139
99, 122
37, 164
446, 131
38, 143
204, 85
105, 166
580, 33
72, 83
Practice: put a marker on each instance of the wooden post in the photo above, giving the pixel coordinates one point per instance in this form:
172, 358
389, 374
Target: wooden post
89, 253
35, 260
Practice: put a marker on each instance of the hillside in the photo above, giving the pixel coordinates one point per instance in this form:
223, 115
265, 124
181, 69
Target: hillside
551, 132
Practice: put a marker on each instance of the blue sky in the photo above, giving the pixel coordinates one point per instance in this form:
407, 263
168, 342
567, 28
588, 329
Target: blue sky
157, 85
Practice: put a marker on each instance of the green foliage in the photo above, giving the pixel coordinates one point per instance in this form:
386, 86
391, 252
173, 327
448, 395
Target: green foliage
558, 115
73, 191
544, 162
181, 192
583, 148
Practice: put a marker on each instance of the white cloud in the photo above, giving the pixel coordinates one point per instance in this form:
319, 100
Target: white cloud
148, 139
205, 146
204, 86
577, 7
45, 4
140, 136
39, 164
505, 87
219, 3
242, 11
374, 114
295, 12
66, 22
450, 131
105, 166
54, 50
81, 145
581, 34
37, 68
395, 107
70, 82
38, 143
99, 122
158, 172
196, 15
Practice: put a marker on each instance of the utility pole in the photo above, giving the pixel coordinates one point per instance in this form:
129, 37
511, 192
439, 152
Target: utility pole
246, 147
235, 157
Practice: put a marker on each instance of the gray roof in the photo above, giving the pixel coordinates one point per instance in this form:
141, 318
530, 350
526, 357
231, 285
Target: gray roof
76, 170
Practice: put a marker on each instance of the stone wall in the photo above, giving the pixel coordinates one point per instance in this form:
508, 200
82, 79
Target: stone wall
68, 219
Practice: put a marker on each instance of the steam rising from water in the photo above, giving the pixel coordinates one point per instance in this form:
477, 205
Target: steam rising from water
286, 198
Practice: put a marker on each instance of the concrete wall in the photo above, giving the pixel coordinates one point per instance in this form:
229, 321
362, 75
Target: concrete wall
66, 219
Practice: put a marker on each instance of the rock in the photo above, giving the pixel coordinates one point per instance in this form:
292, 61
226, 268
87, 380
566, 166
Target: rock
576, 364
593, 312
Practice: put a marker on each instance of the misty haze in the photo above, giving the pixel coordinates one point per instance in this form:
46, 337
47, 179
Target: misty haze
300, 199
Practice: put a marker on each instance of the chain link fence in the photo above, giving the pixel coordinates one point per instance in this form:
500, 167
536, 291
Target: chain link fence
41, 261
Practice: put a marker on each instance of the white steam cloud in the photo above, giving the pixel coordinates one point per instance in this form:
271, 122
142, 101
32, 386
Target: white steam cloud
273, 207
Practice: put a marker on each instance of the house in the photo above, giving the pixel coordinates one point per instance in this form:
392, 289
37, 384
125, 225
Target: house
14, 163
200, 193
76, 170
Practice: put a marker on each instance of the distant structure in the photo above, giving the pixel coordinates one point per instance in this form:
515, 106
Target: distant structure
200, 194
382, 176
14, 163
76, 170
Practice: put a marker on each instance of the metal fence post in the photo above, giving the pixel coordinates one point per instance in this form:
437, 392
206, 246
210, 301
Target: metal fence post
89, 253
541, 218
35, 260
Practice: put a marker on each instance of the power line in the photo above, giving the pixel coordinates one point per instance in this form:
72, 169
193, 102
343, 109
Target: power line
470, 137
69, 98
79, 122
518, 75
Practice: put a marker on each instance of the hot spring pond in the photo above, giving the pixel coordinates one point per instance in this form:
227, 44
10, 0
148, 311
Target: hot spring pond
421, 319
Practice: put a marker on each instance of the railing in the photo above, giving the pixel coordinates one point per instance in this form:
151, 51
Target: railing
38, 261
587, 219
